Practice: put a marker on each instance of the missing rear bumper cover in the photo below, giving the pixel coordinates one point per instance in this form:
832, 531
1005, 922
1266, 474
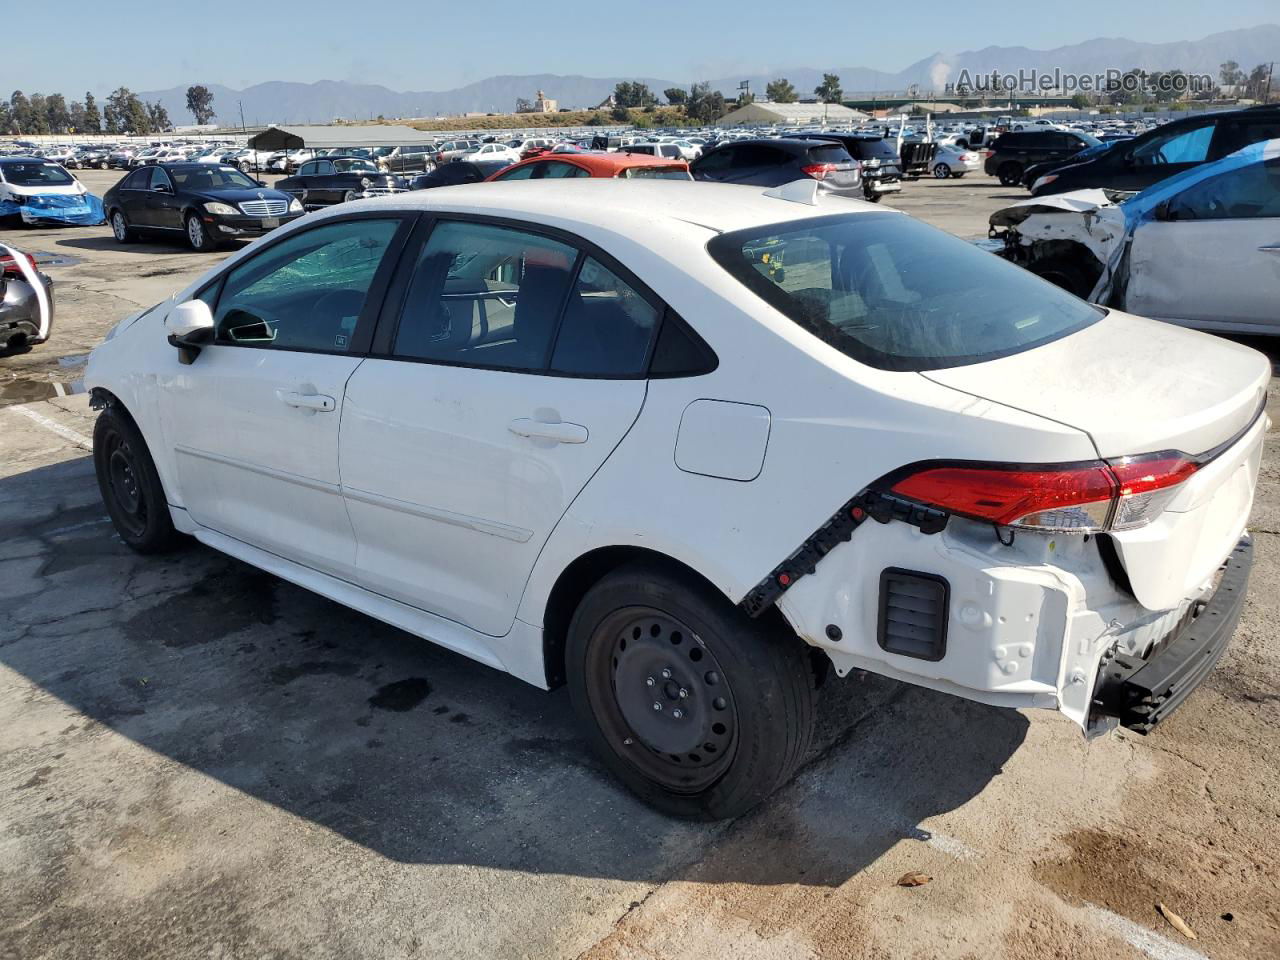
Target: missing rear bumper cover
1141, 692
881, 507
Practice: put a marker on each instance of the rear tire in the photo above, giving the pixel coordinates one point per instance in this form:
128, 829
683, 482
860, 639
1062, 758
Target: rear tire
735, 696
130, 485
1010, 174
120, 228
941, 171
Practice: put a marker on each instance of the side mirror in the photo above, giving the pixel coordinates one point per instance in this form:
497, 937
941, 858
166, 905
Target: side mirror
162, 188
261, 183
1164, 212
189, 324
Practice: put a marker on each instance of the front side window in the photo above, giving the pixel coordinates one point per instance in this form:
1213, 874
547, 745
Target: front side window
1247, 193
896, 294
1187, 146
485, 296
305, 292
558, 169
524, 172
607, 326
159, 180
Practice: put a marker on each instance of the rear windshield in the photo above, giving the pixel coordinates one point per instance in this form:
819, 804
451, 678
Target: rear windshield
832, 154
876, 149
657, 173
894, 293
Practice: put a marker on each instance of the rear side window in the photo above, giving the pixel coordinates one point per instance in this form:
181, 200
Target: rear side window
607, 326
1238, 134
485, 296
896, 294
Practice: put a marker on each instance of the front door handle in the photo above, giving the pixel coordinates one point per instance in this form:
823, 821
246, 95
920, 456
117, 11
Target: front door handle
1270, 248
559, 432
307, 401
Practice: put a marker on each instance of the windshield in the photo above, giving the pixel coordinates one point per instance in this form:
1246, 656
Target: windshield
658, 173
35, 174
218, 178
354, 166
893, 293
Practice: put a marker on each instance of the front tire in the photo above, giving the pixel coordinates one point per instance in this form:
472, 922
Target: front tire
698, 709
197, 235
130, 485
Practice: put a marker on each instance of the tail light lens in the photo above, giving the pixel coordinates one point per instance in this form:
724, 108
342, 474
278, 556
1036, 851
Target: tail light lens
1091, 497
8, 265
818, 171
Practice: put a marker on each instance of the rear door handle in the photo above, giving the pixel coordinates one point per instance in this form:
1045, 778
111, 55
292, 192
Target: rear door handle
559, 432
1270, 248
318, 402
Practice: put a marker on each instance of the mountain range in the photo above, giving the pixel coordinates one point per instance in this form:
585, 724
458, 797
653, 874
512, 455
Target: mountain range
320, 102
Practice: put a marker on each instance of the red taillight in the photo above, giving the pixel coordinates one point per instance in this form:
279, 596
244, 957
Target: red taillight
7, 264
818, 171
1075, 498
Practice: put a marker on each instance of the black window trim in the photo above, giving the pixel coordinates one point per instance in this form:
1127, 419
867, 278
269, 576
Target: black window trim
373, 301
388, 324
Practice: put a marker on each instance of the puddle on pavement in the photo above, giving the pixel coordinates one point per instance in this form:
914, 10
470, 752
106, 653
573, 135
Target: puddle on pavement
57, 260
32, 391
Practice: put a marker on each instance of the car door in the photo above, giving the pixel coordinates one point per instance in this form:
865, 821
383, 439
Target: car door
509, 368
253, 422
1226, 228
163, 203
132, 196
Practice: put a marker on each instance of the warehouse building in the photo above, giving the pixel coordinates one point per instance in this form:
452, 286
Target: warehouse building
789, 114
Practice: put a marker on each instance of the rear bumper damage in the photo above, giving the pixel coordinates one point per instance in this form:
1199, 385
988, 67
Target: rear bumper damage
1139, 692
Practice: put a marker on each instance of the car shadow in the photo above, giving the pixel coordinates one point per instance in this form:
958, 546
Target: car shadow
412, 751
148, 247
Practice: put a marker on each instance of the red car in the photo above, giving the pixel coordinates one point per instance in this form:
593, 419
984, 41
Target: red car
554, 165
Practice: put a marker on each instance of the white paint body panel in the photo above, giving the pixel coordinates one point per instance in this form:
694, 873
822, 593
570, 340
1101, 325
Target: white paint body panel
457, 523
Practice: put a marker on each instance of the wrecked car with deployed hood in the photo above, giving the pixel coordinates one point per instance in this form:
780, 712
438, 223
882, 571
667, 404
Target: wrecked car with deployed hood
1200, 249
26, 301
35, 191
587, 434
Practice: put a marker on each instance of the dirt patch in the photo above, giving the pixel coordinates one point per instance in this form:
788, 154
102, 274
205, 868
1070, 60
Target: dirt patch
1201, 882
1039, 931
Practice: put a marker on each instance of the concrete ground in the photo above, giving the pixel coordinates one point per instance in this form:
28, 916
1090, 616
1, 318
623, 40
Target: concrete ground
199, 760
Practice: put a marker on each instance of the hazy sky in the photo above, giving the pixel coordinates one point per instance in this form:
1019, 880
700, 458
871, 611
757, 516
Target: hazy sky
73, 45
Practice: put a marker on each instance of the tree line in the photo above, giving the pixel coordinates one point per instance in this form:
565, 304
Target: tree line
701, 104
123, 112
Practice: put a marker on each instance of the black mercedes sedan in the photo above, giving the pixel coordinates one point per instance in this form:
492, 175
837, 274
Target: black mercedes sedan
328, 180
207, 203
459, 171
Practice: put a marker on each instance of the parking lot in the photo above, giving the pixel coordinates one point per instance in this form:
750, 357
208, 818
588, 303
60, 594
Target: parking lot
199, 759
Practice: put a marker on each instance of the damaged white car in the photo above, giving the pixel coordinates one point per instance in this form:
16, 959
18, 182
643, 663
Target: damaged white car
687, 447
1200, 249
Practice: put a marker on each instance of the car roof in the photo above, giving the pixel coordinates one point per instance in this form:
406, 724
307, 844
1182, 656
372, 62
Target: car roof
603, 164
618, 206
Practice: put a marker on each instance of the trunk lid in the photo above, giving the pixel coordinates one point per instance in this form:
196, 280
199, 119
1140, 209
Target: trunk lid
1138, 386
1133, 385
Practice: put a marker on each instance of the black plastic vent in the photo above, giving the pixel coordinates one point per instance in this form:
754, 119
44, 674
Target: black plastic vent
913, 614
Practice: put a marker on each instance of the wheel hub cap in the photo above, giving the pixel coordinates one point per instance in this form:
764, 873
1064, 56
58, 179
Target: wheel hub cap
671, 692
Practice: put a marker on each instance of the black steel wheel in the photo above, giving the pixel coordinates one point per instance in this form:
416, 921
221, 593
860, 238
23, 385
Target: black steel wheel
700, 710
129, 484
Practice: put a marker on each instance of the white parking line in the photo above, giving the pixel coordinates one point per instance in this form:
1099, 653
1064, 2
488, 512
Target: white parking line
66, 433
1140, 938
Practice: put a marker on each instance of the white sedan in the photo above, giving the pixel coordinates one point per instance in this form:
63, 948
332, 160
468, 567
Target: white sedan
500, 152
689, 447
951, 160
